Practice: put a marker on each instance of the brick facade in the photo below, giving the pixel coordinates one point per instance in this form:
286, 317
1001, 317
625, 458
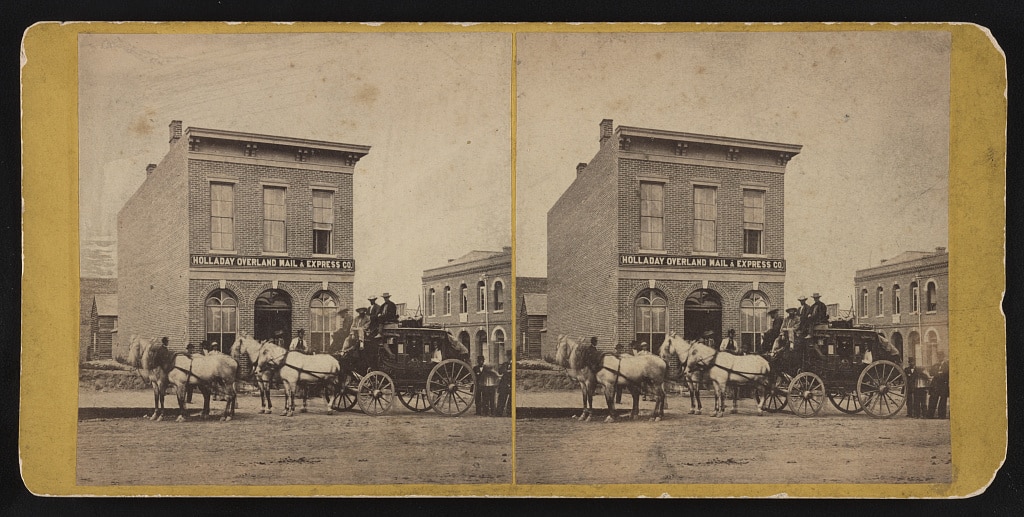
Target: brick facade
488, 330
597, 270
923, 333
167, 270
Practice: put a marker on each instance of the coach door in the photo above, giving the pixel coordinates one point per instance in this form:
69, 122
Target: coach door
272, 316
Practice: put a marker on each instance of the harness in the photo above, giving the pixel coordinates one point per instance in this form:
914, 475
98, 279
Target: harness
713, 363
188, 373
320, 376
618, 370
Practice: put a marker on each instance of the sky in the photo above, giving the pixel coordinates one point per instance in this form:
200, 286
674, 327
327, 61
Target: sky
434, 108
871, 110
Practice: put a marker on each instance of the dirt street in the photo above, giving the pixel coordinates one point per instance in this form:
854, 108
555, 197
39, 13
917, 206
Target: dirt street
741, 448
118, 447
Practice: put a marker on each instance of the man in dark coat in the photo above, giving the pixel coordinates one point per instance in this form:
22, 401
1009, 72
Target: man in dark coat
938, 392
339, 336
819, 312
770, 335
388, 311
373, 311
805, 317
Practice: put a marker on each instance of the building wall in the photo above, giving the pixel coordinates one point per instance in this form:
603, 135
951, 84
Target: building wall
87, 289
100, 330
153, 247
582, 258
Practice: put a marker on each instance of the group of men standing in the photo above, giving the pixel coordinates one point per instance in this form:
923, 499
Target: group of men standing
487, 385
928, 390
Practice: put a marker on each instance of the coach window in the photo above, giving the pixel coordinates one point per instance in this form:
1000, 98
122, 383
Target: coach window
499, 296
221, 318
274, 219
754, 314
651, 318
447, 300
705, 219
323, 317
931, 299
222, 216
652, 216
879, 301
896, 298
323, 221
753, 222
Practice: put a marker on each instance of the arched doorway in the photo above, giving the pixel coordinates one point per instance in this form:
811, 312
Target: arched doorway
897, 341
480, 346
702, 311
498, 350
915, 345
272, 316
464, 339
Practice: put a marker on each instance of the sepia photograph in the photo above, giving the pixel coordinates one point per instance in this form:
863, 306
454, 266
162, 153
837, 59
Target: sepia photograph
738, 253
261, 217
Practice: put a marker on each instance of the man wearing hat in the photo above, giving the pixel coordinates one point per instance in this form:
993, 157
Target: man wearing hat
790, 324
373, 311
388, 311
339, 336
805, 316
730, 344
709, 339
819, 312
299, 343
770, 335
357, 333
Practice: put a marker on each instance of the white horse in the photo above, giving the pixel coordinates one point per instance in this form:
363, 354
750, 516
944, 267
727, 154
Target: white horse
675, 345
206, 372
248, 346
569, 355
726, 369
151, 361
632, 371
297, 368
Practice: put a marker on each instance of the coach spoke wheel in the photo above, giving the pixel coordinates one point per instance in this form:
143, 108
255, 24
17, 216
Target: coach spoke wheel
806, 394
376, 393
882, 389
348, 395
450, 387
845, 400
415, 399
777, 394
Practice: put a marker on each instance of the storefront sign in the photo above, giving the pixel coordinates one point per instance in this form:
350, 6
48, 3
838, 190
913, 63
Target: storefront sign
228, 261
675, 261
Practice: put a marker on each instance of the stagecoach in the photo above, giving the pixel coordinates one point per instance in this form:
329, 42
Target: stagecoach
402, 363
854, 370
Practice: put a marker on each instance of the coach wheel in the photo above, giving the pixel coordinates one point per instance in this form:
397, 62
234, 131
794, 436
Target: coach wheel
450, 387
845, 400
806, 394
882, 389
778, 393
348, 394
376, 393
415, 399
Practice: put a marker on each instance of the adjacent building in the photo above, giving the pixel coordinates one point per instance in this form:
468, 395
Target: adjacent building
470, 297
907, 298
88, 288
238, 233
666, 231
532, 318
102, 326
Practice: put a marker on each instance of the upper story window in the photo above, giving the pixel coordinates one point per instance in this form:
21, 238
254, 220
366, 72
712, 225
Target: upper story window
879, 301
705, 219
323, 221
863, 303
915, 298
463, 299
499, 296
481, 296
222, 216
431, 302
931, 298
274, 219
652, 216
896, 299
447, 300
753, 222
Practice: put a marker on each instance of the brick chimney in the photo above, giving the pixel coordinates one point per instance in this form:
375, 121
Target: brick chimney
940, 249
506, 249
606, 129
150, 168
580, 167
175, 130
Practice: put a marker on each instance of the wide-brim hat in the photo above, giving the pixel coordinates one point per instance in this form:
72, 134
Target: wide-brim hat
815, 295
360, 309
371, 298
801, 298
386, 295
791, 309
709, 333
773, 311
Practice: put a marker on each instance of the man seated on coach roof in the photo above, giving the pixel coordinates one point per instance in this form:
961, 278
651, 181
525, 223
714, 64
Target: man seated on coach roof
819, 312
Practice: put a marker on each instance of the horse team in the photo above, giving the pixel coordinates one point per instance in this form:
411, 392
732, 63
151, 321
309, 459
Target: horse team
646, 372
218, 372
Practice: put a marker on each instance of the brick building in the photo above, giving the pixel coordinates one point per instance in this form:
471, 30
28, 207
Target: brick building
666, 231
236, 232
470, 297
532, 318
907, 299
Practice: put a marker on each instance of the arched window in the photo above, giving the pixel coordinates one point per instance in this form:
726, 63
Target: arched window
754, 320
651, 318
480, 347
499, 296
481, 296
915, 298
931, 299
323, 320
863, 303
463, 299
931, 348
221, 318
499, 347
432, 302
447, 300
879, 301
896, 299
